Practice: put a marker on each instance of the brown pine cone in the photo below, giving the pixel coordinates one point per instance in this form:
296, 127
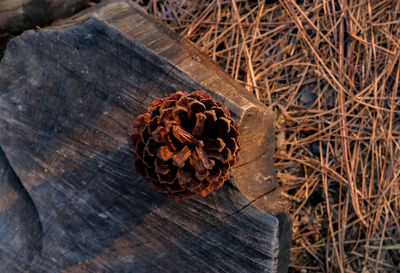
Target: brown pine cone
186, 144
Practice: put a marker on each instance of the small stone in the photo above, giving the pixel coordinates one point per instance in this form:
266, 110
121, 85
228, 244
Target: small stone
307, 97
315, 150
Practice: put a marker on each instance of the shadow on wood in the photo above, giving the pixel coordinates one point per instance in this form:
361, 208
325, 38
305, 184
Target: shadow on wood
17, 15
67, 105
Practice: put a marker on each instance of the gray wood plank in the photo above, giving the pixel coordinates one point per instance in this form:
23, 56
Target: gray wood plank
68, 98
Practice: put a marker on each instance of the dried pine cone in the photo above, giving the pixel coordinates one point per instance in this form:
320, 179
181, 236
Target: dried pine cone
186, 144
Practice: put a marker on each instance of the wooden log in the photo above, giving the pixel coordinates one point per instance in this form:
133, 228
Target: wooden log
69, 95
17, 15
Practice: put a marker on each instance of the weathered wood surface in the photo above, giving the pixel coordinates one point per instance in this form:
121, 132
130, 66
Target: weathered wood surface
20, 227
67, 104
17, 15
257, 121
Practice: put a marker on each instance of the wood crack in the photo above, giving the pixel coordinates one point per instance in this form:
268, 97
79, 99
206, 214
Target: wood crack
251, 161
249, 204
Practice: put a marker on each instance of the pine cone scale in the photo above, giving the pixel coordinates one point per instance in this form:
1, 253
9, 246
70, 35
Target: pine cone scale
182, 135
199, 126
179, 158
211, 144
201, 154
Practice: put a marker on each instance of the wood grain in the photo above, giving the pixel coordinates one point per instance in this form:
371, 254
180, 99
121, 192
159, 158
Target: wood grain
67, 105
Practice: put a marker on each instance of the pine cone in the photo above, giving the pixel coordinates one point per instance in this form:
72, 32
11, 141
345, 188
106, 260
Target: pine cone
186, 144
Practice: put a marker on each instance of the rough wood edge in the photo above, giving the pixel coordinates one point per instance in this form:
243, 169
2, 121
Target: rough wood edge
20, 226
